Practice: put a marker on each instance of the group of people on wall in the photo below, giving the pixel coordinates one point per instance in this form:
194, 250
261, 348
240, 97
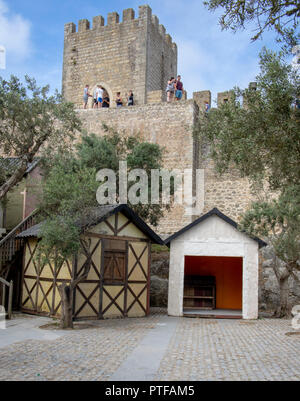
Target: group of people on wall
101, 99
174, 89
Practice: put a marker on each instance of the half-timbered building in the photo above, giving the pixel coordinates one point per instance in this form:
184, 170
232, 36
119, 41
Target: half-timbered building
118, 283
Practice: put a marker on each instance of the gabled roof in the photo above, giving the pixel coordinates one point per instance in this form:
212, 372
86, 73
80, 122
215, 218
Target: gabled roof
213, 212
99, 214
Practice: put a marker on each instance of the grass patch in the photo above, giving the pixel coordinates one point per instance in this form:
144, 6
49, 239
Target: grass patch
159, 248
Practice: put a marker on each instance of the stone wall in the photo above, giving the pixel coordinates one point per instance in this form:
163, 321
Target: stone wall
135, 54
230, 193
269, 294
202, 97
167, 124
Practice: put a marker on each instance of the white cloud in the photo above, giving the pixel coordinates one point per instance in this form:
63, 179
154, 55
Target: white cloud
14, 33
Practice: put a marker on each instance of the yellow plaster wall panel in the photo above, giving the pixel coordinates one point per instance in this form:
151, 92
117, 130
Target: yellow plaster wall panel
30, 284
64, 273
136, 311
46, 272
31, 270
121, 221
97, 254
137, 274
112, 312
96, 258
137, 289
57, 300
102, 228
132, 231
113, 291
42, 304
135, 308
87, 289
87, 311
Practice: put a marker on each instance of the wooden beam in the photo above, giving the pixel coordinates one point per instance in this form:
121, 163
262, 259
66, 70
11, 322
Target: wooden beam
125, 238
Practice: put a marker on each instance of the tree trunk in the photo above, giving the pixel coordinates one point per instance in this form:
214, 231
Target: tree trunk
14, 179
283, 309
66, 295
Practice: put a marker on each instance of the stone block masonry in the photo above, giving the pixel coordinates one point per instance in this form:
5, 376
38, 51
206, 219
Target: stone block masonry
170, 125
135, 54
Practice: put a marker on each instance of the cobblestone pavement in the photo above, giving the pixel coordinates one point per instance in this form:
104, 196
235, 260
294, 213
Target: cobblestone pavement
87, 354
232, 350
199, 349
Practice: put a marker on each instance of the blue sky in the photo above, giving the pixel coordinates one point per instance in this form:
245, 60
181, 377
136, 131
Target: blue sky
32, 32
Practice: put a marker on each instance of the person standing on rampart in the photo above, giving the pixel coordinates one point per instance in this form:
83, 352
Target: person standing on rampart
119, 101
95, 105
130, 101
206, 107
170, 89
106, 100
99, 96
86, 96
178, 88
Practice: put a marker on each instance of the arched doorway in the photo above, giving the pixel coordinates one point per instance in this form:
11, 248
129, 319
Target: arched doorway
107, 94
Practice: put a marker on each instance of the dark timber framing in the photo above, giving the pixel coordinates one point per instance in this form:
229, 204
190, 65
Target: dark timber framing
127, 291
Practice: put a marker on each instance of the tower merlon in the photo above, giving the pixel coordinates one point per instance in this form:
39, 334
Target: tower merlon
224, 97
145, 12
113, 18
128, 15
70, 28
162, 30
201, 98
83, 25
98, 22
155, 21
168, 39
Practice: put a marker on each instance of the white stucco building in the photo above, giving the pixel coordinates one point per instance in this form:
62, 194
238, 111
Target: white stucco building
213, 269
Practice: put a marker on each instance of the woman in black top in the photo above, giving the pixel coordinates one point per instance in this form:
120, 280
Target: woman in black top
119, 101
130, 99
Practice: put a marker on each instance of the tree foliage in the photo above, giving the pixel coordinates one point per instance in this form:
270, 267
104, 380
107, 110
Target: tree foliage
70, 186
31, 123
279, 221
69, 201
277, 15
258, 133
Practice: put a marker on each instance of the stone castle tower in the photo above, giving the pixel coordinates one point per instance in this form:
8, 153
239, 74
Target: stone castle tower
135, 54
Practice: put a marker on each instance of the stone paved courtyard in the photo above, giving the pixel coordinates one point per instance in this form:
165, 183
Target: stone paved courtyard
153, 348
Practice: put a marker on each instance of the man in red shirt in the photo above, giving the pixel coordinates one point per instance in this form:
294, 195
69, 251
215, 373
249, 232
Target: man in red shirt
178, 88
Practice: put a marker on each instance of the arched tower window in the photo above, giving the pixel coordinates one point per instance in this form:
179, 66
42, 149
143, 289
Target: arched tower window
107, 95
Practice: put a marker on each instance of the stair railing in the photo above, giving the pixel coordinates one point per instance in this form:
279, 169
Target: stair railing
5, 284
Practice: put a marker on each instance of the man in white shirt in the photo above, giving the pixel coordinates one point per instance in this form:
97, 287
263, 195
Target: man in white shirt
99, 95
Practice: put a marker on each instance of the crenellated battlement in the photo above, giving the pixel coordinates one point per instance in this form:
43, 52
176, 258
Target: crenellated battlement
121, 54
113, 19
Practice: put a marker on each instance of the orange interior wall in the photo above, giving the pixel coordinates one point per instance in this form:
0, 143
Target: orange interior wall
228, 272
